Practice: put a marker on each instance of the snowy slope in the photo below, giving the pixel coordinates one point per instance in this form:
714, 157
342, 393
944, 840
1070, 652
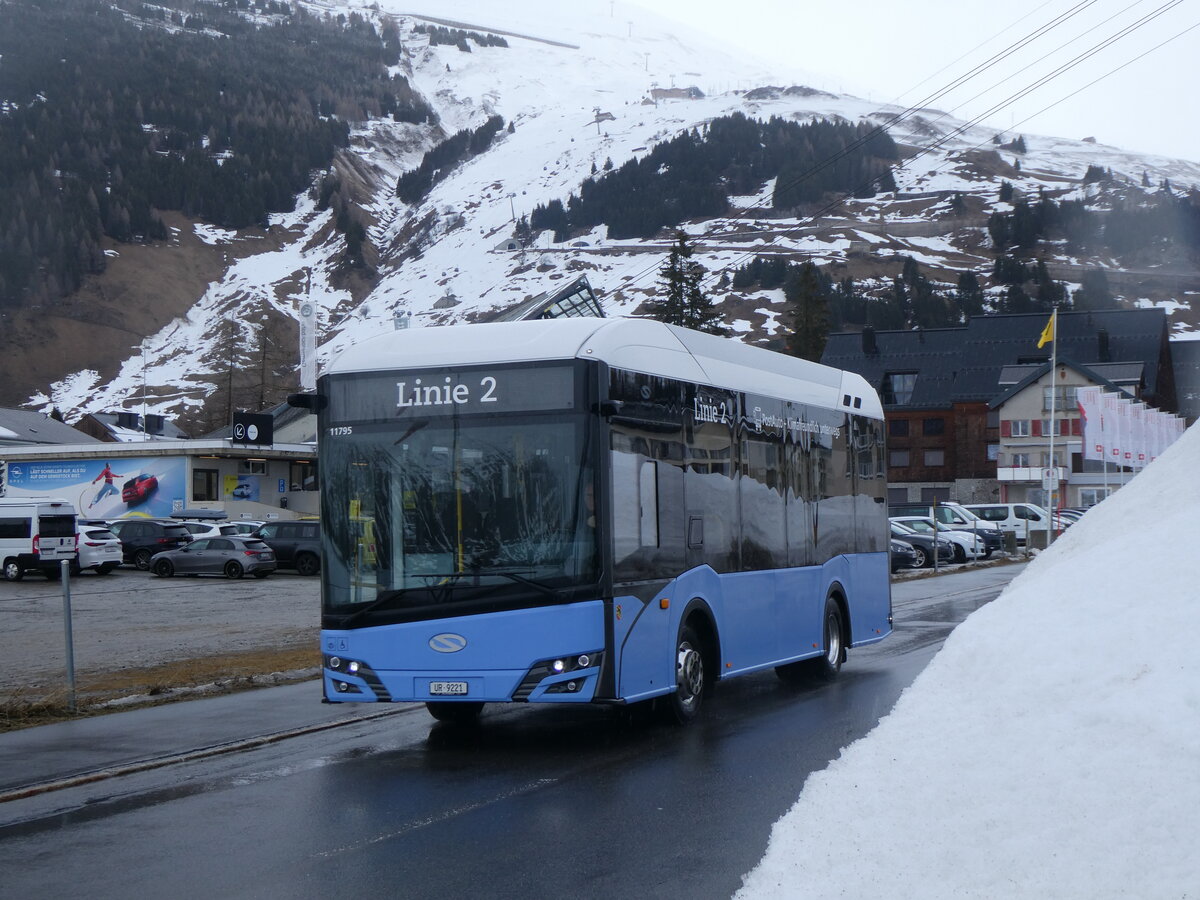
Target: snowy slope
565, 64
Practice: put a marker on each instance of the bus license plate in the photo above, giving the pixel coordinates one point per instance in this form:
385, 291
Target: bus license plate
448, 687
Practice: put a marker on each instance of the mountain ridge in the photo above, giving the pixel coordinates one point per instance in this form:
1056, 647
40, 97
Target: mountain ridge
439, 260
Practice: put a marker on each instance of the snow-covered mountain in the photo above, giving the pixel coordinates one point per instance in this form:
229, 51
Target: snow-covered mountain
582, 84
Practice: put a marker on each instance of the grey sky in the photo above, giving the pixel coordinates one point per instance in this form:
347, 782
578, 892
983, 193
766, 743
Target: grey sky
907, 51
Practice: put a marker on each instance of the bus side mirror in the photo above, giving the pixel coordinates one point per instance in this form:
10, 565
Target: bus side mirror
313, 402
609, 408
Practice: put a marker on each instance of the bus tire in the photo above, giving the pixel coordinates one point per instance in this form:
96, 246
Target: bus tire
691, 679
456, 713
827, 666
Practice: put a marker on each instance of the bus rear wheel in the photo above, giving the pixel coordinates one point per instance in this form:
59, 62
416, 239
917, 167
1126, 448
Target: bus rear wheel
691, 679
457, 713
826, 666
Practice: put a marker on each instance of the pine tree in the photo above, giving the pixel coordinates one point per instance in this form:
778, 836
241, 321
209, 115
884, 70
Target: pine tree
682, 302
522, 233
1094, 292
807, 312
969, 295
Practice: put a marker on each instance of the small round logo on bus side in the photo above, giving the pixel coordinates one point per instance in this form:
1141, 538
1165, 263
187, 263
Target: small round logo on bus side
447, 642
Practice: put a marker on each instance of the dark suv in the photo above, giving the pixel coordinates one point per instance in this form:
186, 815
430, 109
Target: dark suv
297, 545
142, 538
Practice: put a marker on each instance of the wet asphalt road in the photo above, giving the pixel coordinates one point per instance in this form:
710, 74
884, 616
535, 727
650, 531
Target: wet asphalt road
536, 802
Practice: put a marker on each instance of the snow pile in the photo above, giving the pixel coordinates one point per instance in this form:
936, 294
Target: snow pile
1051, 748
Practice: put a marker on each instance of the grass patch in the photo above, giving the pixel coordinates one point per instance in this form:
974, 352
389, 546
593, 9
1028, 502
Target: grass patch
31, 705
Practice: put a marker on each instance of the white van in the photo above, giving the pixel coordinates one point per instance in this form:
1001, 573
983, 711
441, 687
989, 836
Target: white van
36, 535
1019, 518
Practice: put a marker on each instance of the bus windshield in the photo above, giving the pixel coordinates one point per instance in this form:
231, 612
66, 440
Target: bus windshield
454, 514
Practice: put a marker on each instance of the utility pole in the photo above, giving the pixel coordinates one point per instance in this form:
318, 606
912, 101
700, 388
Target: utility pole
143, 345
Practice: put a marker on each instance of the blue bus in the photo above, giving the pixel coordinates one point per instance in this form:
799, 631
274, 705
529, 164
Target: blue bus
592, 511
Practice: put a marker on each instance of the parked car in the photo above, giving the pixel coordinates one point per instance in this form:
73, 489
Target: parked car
247, 526
967, 544
138, 488
1067, 517
903, 556
297, 544
923, 545
142, 538
99, 548
956, 516
230, 555
209, 529
1017, 518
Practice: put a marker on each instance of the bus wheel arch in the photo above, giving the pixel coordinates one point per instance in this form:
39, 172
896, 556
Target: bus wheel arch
695, 662
835, 640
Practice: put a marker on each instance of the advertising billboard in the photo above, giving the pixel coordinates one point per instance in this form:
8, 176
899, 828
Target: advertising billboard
106, 488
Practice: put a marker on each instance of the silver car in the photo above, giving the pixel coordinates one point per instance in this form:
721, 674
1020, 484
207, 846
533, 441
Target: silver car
230, 555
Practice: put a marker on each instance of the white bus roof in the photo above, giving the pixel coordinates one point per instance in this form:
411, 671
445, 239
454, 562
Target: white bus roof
640, 345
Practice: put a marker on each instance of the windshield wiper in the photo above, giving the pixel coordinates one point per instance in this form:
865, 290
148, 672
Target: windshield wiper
380, 601
441, 592
516, 575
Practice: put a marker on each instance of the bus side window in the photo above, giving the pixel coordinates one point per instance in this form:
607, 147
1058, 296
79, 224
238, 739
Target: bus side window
648, 504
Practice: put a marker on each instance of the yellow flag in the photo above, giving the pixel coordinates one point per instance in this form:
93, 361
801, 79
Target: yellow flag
1047, 333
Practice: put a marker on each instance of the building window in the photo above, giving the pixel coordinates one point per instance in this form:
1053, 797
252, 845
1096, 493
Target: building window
935, 457
1091, 496
253, 467
303, 477
898, 459
1057, 425
897, 495
1020, 428
1020, 460
993, 452
1064, 398
205, 484
1056, 461
933, 426
898, 428
898, 387
940, 494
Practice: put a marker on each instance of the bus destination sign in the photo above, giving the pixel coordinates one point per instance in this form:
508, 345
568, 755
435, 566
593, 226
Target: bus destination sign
402, 395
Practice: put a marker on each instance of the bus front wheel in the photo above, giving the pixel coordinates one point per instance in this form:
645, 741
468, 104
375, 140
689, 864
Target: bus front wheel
458, 713
691, 680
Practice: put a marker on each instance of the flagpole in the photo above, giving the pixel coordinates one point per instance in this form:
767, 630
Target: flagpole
1053, 423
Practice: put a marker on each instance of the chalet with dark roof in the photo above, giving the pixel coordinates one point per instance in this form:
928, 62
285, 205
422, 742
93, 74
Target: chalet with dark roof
937, 386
